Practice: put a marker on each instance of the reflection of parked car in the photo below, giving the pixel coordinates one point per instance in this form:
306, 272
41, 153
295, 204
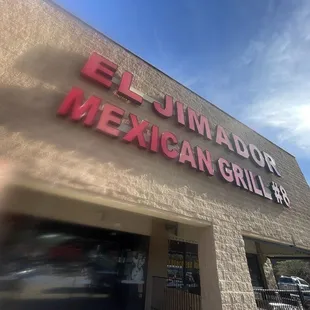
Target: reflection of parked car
14, 279
67, 251
291, 283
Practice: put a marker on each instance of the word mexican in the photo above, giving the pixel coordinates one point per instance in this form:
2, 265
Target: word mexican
102, 71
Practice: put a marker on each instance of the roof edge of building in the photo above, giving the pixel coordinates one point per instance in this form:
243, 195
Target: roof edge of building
51, 2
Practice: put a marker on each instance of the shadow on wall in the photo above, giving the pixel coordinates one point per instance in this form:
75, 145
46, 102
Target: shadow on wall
50, 65
32, 111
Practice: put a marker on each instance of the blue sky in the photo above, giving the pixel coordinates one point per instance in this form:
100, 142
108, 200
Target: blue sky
249, 57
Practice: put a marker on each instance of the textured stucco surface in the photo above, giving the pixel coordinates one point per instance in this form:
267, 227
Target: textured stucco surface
222, 260
42, 51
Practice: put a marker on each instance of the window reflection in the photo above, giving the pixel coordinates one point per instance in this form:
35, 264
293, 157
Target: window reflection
48, 265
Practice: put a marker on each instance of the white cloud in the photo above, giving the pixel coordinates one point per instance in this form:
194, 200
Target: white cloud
268, 86
279, 62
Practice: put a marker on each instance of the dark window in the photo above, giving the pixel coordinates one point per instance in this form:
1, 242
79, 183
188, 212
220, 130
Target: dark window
255, 273
73, 266
286, 280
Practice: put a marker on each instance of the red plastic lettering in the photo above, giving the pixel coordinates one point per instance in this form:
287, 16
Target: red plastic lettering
180, 113
74, 102
167, 110
166, 139
256, 155
137, 131
124, 89
204, 161
239, 177
198, 123
257, 191
154, 144
111, 115
262, 186
271, 164
240, 147
222, 138
248, 180
225, 170
186, 155
99, 69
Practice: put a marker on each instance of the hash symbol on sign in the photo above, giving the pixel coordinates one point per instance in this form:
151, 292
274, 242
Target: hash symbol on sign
276, 192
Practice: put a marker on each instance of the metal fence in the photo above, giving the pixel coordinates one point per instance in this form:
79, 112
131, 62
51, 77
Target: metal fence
282, 299
167, 295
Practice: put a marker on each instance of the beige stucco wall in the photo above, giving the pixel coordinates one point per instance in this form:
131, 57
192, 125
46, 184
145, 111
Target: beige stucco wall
42, 51
224, 274
45, 205
157, 264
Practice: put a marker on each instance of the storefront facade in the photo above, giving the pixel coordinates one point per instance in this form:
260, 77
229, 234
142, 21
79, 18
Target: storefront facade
103, 139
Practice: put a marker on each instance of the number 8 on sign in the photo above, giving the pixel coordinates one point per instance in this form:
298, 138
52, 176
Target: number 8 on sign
284, 196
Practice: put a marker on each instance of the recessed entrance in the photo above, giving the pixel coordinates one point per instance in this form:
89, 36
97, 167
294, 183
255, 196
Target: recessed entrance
183, 266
